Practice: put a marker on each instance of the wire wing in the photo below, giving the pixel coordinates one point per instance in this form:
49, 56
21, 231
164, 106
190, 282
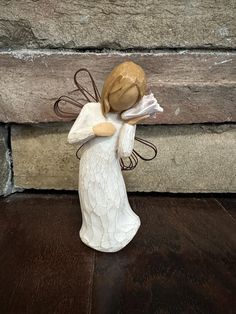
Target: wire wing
132, 161
64, 106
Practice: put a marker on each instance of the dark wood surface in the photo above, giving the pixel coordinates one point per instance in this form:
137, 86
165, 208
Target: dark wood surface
229, 203
45, 268
182, 260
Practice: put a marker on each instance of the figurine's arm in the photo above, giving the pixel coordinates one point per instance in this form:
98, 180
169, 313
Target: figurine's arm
126, 140
81, 131
127, 135
84, 128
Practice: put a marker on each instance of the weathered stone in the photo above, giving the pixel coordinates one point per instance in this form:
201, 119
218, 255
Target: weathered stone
117, 24
193, 87
5, 163
196, 158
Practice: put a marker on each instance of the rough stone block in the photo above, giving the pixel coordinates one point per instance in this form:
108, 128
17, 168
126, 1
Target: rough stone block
194, 158
192, 87
117, 24
5, 163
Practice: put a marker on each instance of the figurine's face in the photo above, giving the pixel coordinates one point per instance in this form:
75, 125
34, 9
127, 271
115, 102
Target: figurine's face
125, 100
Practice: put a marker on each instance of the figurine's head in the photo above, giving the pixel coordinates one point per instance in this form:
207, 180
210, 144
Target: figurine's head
123, 88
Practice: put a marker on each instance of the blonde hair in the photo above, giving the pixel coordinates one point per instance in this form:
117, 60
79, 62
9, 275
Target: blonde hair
123, 77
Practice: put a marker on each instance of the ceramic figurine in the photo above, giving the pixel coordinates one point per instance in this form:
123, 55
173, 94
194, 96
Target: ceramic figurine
105, 130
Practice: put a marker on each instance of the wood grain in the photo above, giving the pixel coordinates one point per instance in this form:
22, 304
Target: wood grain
193, 87
182, 260
229, 203
45, 268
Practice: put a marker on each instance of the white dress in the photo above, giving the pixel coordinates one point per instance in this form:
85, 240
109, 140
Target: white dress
108, 222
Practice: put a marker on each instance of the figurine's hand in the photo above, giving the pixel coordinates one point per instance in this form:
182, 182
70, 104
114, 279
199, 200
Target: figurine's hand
104, 129
138, 119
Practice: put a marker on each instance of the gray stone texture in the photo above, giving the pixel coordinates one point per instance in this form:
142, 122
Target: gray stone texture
5, 163
192, 87
117, 24
193, 158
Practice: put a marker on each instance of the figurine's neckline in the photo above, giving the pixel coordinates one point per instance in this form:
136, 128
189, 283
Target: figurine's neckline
113, 114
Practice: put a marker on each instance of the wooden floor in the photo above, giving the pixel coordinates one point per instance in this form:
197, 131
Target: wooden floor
183, 259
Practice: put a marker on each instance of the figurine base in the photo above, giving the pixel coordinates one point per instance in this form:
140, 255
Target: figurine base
113, 247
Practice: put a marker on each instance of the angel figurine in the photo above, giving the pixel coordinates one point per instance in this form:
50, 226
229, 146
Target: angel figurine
105, 130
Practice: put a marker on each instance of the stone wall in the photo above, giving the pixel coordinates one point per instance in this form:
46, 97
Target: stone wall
117, 24
193, 87
187, 49
196, 158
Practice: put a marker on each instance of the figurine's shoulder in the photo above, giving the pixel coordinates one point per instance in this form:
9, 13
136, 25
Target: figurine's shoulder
92, 106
